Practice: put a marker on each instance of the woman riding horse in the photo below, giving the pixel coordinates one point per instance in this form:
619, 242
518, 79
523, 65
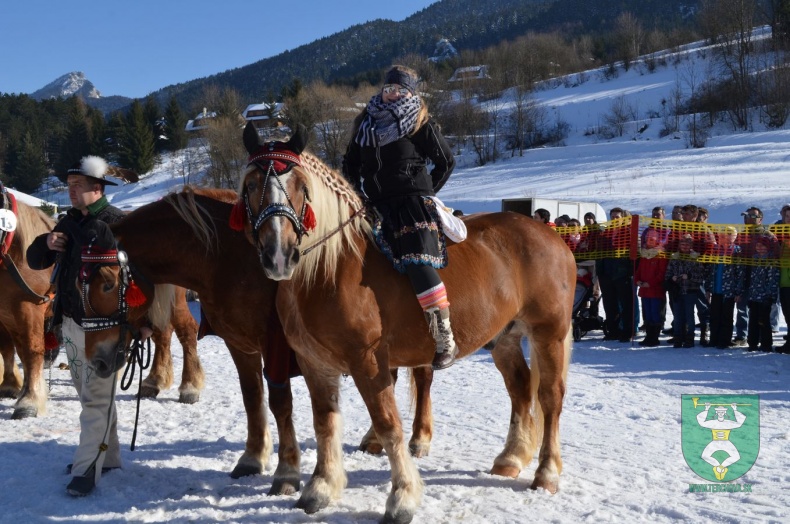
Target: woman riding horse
393, 138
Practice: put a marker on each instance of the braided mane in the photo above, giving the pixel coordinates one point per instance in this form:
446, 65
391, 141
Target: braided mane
334, 201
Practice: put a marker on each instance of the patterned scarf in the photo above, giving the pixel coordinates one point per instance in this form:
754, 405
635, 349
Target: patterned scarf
386, 123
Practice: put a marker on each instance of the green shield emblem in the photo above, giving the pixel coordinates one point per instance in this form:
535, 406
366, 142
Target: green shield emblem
720, 434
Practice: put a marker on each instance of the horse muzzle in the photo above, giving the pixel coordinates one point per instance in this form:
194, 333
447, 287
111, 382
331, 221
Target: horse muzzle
279, 264
109, 358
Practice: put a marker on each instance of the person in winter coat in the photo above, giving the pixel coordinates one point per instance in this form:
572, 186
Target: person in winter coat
763, 285
649, 280
99, 447
616, 278
686, 276
724, 282
784, 272
393, 140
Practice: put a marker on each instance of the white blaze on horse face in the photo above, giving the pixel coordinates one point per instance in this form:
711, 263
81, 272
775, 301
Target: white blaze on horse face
281, 230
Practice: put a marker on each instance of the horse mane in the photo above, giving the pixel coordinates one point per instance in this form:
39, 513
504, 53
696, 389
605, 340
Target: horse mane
195, 215
334, 201
31, 222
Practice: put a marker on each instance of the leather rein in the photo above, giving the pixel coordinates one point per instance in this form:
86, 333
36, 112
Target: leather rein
6, 238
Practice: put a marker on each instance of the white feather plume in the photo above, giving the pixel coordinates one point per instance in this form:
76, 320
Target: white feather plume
94, 166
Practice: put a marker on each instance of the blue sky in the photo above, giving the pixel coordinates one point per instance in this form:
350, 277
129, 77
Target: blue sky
134, 48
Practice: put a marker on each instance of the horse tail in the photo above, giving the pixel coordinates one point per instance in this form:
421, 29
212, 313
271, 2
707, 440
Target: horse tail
162, 306
412, 391
534, 378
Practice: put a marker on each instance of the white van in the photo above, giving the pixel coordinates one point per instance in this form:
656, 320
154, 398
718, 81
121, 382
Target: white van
577, 210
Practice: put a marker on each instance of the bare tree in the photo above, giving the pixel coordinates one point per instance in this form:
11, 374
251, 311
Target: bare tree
225, 150
620, 113
334, 110
775, 91
691, 79
730, 23
629, 36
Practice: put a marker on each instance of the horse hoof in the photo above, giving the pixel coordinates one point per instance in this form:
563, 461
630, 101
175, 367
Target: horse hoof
419, 450
147, 391
20, 413
372, 448
401, 517
552, 486
242, 470
505, 471
312, 505
285, 487
9, 393
188, 398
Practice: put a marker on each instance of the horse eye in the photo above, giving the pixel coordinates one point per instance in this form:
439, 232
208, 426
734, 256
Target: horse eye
107, 287
251, 185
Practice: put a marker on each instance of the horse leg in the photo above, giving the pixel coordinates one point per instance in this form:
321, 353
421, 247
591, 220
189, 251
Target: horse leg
287, 475
521, 441
377, 391
370, 442
329, 478
161, 375
11, 384
29, 343
259, 441
422, 427
192, 375
552, 359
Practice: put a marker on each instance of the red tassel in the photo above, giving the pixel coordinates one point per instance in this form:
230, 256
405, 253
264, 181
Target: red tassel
50, 341
236, 221
308, 221
134, 295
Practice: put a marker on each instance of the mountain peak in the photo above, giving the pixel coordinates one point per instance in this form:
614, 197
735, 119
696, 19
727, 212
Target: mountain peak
70, 84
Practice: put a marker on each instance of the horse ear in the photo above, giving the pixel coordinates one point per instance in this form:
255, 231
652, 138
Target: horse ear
252, 141
299, 139
123, 173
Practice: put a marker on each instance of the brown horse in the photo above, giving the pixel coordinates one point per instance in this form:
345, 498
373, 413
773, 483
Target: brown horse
22, 328
185, 239
346, 311
22, 317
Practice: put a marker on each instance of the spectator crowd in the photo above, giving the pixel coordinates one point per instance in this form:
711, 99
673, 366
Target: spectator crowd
726, 283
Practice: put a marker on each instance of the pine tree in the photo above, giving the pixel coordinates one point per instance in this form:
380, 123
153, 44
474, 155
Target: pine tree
30, 169
175, 123
153, 115
76, 141
782, 31
116, 137
137, 150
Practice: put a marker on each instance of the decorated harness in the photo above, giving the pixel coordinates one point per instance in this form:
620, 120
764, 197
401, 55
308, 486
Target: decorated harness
275, 161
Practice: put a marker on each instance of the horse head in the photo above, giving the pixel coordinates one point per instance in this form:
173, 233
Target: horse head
275, 195
114, 307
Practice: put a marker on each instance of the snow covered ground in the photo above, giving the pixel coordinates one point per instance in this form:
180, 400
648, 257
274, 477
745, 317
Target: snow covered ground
621, 424
620, 435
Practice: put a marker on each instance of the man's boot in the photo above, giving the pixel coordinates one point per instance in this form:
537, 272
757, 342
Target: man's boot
688, 341
678, 338
703, 335
439, 327
653, 332
651, 336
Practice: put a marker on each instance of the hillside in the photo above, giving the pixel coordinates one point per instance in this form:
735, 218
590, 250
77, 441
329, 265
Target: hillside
637, 170
362, 51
